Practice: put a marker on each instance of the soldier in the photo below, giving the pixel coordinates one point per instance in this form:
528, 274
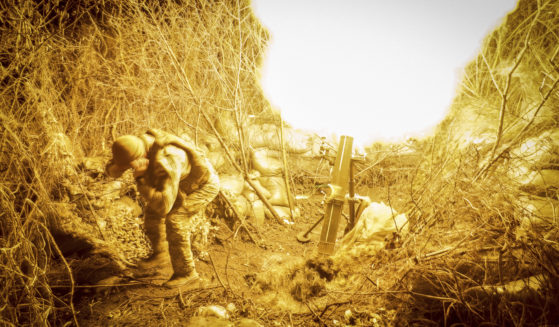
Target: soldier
177, 182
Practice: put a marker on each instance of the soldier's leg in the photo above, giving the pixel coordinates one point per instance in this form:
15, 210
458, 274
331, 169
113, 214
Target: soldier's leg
179, 229
180, 224
156, 233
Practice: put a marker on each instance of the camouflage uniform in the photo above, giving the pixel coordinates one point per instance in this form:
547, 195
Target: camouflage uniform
177, 186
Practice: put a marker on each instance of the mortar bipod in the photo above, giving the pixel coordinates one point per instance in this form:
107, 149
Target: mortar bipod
342, 181
303, 237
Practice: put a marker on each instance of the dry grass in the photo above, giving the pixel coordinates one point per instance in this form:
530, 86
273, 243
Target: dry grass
462, 199
76, 74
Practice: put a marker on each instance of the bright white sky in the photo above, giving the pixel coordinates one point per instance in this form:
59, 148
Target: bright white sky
371, 69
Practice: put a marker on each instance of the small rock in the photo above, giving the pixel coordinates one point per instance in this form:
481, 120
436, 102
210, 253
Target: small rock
213, 311
231, 307
348, 314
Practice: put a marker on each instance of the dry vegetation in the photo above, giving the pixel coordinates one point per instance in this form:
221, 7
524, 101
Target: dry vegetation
464, 199
74, 75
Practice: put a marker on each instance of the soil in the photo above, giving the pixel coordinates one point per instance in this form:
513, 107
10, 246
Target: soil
262, 274
228, 274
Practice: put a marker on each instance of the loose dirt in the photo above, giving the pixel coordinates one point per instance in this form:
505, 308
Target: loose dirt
229, 272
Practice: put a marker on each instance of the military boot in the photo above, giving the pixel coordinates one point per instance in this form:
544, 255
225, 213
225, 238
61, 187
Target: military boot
178, 280
155, 231
155, 261
178, 235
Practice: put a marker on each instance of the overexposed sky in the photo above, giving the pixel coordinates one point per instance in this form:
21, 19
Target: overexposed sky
371, 69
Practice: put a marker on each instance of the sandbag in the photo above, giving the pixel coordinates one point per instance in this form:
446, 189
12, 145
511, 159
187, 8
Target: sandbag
249, 192
242, 205
256, 212
217, 159
276, 187
283, 212
546, 209
232, 185
263, 136
538, 215
267, 162
297, 141
268, 136
518, 289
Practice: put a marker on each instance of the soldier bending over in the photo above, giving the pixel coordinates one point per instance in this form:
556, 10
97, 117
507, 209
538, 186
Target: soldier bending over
177, 182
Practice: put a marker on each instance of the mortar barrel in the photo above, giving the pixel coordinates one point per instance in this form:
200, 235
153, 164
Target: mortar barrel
339, 186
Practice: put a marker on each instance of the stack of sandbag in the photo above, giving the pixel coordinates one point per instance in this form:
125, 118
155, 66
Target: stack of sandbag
246, 201
214, 152
232, 187
296, 141
210, 148
268, 173
537, 172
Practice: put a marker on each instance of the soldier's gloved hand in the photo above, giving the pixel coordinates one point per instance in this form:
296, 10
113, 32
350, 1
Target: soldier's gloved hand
145, 190
140, 166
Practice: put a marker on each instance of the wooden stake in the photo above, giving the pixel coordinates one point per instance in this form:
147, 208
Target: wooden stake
286, 171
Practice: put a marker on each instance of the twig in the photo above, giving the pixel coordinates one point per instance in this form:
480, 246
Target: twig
332, 304
162, 309
485, 169
226, 268
181, 300
216, 274
245, 176
94, 213
372, 282
70, 274
505, 92
314, 313
442, 298
238, 90
492, 157
170, 296
391, 208
104, 285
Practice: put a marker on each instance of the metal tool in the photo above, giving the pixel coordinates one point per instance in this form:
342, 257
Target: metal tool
303, 237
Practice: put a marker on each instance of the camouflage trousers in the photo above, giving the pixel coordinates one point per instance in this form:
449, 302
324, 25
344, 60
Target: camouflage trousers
172, 232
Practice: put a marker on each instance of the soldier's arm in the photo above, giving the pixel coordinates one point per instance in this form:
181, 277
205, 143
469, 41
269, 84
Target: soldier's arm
161, 184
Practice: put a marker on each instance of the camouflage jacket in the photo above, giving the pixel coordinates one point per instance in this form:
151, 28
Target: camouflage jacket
175, 165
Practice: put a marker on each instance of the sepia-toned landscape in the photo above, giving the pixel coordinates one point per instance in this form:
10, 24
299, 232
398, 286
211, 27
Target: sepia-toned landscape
459, 228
